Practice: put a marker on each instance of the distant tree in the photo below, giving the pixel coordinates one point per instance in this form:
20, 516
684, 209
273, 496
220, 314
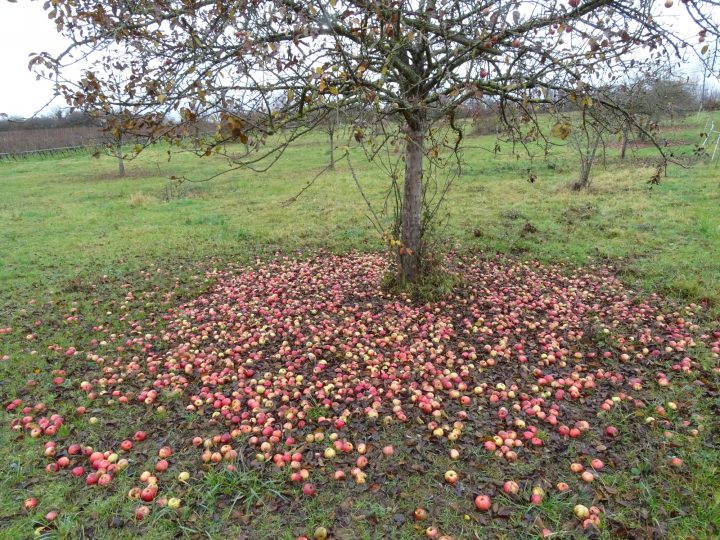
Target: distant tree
121, 124
331, 124
56, 118
485, 118
629, 109
649, 99
114, 135
711, 100
412, 61
587, 127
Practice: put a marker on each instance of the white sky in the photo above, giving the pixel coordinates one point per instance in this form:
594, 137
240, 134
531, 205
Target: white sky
25, 29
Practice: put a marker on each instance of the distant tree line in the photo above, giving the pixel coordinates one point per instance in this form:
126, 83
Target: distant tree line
57, 118
649, 100
57, 129
61, 129
711, 100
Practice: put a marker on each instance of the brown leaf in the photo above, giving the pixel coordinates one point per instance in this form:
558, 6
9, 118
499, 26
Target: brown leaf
503, 512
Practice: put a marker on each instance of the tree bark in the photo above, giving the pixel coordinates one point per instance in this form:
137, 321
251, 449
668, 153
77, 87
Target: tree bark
586, 164
584, 179
120, 160
332, 149
625, 137
412, 227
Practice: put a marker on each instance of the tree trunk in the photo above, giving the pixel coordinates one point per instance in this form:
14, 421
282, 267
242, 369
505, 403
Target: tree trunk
120, 160
625, 137
332, 149
411, 237
586, 164
584, 179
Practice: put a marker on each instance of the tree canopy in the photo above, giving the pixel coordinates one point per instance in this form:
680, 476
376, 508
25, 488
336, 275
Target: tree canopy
272, 69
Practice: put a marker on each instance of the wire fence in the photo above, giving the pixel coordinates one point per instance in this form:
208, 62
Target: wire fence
23, 140
21, 144
49, 152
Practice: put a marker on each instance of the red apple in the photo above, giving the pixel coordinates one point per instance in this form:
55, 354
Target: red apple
483, 503
148, 493
74, 449
537, 496
432, 532
104, 479
511, 488
142, 512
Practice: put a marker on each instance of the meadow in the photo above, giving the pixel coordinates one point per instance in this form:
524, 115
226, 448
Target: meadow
73, 219
83, 251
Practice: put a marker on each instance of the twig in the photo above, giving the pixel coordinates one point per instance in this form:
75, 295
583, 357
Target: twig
295, 197
377, 223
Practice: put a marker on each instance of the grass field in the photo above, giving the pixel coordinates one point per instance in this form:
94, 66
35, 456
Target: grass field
75, 239
73, 219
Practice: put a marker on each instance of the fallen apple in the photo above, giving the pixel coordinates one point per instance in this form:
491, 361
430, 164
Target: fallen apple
451, 477
142, 512
581, 511
483, 503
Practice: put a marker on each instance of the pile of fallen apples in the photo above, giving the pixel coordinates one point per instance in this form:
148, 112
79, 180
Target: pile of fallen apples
296, 362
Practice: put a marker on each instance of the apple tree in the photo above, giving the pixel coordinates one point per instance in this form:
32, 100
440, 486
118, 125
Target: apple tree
274, 69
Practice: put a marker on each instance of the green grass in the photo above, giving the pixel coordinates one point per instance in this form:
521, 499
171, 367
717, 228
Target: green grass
75, 239
71, 218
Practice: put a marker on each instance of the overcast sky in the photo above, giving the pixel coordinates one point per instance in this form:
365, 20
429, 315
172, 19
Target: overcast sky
25, 29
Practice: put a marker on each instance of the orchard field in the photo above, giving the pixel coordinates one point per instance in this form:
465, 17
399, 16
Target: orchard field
211, 359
